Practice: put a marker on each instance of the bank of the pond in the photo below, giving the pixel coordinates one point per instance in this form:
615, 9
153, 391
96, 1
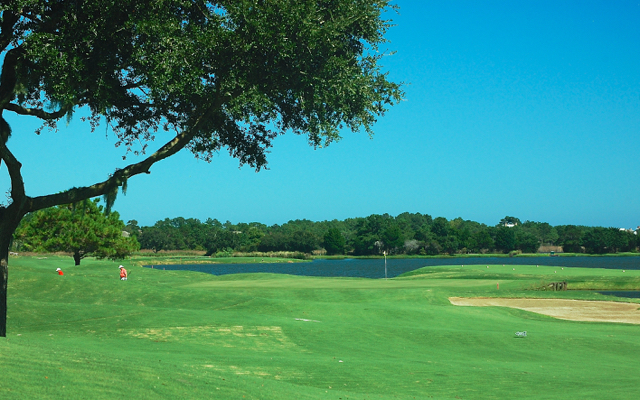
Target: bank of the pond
375, 268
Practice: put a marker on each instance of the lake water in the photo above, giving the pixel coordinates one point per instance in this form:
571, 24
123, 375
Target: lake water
633, 294
375, 268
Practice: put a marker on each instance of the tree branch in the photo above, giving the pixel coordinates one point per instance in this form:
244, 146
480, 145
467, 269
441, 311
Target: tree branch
120, 176
37, 112
13, 166
8, 78
9, 19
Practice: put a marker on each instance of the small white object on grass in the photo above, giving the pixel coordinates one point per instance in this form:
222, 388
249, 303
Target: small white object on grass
340, 361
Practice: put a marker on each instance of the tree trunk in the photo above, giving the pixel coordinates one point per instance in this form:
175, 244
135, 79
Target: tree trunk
7, 227
10, 217
4, 276
76, 257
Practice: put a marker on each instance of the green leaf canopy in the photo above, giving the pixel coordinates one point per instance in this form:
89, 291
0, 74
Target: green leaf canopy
81, 229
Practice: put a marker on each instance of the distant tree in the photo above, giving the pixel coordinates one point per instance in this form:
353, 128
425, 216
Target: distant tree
334, 242
597, 240
505, 239
250, 236
392, 238
526, 241
440, 227
432, 247
547, 234
274, 241
364, 245
219, 239
569, 237
410, 224
81, 229
423, 234
634, 241
601, 240
192, 231
464, 237
172, 237
154, 238
132, 228
621, 240
412, 246
481, 241
449, 244
303, 241
368, 231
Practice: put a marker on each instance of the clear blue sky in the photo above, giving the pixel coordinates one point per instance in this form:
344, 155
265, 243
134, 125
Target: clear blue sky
522, 108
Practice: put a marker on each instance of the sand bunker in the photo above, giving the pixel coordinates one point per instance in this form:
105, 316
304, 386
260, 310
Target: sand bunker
573, 310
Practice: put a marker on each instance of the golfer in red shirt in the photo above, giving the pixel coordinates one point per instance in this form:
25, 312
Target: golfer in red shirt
123, 273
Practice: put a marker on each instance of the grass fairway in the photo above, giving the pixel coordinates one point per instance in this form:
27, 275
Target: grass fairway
186, 335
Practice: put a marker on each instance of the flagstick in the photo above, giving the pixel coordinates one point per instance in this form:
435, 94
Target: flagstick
385, 265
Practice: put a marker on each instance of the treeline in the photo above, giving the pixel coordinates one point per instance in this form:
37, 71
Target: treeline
407, 233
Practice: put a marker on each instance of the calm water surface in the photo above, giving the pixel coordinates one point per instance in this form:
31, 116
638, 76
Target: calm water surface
375, 268
630, 294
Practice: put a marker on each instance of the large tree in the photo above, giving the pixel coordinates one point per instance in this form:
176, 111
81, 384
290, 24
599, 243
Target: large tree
334, 242
228, 74
505, 239
82, 230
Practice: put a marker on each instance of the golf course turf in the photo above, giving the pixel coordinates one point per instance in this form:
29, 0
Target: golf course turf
187, 335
